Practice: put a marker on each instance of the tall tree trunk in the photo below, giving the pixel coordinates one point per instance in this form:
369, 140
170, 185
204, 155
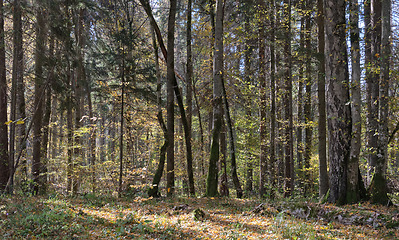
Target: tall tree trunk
18, 68
153, 191
176, 88
321, 94
373, 84
308, 97
212, 180
300, 118
339, 121
353, 165
287, 99
378, 188
272, 161
170, 179
37, 164
189, 97
121, 126
368, 77
263, 100
4, 160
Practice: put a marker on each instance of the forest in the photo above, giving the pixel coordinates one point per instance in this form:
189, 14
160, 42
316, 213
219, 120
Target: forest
205, 119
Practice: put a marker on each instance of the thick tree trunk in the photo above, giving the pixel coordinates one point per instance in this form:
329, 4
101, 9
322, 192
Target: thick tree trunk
339, 121
4, 163
378, 188
321, 94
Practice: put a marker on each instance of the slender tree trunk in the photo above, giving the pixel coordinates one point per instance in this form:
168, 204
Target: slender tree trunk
339, 121
300, 146
378, 188
272, 162
18, 68
308, 98
223, 186
287, 99
37, 164
4, 160
353, 165
263, 100
153, 191
368, 77
212, 180
170, 185
373, 84
321, 94
176, 89
189, 97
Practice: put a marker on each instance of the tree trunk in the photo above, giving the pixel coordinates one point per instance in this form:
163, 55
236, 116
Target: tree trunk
378, 188
368, 77
189, 98
18, 68
170, 179
263, 100
353, 165
4, 160
272, 162
308, 98
153, 191
37, 164
339, 121
373, 84
287, 99
212, 180
321, 94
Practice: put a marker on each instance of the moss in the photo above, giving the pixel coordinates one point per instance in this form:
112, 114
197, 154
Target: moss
378, 190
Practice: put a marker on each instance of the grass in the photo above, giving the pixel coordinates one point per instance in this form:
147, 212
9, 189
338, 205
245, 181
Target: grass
96, 217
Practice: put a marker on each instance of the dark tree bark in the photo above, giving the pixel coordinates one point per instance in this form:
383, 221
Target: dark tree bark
4, 160
300, 145
378, 187
339, 121
153, 190
372, 82
272, 161
18, 104
170, 168
263, 100
189, 97
321, 94
212, 180
37, 164
287, 99
176, 88
308, 97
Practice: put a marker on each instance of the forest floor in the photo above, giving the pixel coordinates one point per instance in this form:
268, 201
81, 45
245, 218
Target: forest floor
94, 217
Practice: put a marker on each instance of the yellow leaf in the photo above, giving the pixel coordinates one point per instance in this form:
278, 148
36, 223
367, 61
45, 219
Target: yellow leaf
8, 123
20, 122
